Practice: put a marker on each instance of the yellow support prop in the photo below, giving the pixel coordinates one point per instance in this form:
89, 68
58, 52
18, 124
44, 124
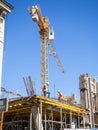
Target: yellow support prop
1, 120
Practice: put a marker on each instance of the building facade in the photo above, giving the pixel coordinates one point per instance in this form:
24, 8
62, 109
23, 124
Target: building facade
89, 97
5, 8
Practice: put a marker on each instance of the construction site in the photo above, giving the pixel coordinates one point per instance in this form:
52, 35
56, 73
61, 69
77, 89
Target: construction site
41, 112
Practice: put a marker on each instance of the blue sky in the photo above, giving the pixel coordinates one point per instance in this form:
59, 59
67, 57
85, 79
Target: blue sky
75, 23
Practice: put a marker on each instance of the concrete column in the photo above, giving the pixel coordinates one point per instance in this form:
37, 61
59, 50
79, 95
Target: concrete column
5, 8
2, 23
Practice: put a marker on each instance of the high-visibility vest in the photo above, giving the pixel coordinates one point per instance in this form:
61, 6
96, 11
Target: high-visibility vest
44, 89
60, 95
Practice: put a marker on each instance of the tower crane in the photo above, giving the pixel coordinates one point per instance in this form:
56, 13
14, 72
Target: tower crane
46, 36
10, 92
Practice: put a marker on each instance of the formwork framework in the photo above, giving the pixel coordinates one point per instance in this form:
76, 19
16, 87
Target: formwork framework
41, 113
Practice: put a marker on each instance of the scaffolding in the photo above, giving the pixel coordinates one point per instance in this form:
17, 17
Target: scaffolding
42, 113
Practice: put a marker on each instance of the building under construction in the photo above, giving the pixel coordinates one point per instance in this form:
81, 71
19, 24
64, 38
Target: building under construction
42, 112
89, 97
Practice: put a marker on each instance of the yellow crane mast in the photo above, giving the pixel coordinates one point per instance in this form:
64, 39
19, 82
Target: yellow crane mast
44, 31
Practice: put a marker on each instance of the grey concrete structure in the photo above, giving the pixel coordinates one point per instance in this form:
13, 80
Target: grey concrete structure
89, 97
5, 8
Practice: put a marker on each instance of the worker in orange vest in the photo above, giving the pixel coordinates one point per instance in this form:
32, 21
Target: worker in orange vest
45, 88
60, 94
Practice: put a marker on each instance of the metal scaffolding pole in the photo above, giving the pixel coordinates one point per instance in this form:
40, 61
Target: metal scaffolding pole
61, 117
40, 114
52, 118
45, 120
70, 118
31, 115
78, 125
83, 121
38, 119
65, 120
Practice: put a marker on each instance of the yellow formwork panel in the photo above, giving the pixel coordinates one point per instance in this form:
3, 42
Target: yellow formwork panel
62, 105
46, 102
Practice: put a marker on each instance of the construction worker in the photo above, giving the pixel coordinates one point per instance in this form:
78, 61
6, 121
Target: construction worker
60, 95
45, 88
